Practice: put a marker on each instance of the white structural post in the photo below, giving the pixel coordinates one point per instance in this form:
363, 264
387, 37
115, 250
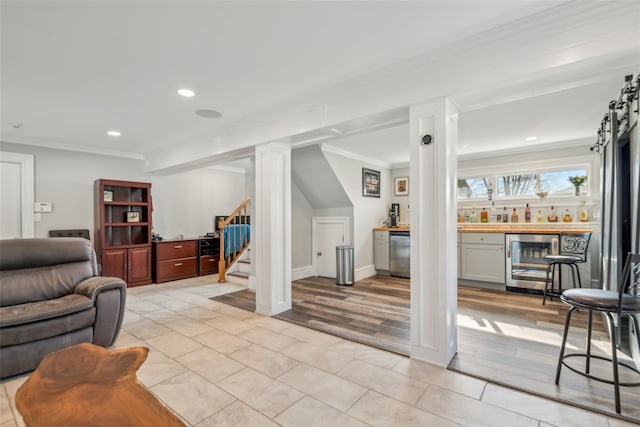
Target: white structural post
272, 228
433, 170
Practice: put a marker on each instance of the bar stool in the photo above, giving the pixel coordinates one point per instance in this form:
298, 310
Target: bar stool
573, 251
624, 302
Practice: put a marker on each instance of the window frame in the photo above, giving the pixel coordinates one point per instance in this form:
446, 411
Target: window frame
492, 178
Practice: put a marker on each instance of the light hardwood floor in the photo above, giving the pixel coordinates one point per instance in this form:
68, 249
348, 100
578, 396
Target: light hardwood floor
507, 338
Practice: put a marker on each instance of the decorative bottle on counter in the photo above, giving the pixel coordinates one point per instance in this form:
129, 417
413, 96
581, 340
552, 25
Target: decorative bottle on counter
505, 215
514, 215
474, 215
553, 216
527, 214
539, 217
484, 215
493, 215
584, 213
567, 216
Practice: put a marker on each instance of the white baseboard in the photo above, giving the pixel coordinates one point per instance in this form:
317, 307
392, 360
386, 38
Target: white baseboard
364, 272
301, 272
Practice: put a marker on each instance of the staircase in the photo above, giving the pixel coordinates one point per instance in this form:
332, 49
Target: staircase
234, 241
240, 274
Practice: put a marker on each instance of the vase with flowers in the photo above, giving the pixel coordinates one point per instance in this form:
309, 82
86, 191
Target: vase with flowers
577, 182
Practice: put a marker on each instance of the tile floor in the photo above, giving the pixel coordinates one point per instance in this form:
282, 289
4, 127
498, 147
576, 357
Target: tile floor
216, 365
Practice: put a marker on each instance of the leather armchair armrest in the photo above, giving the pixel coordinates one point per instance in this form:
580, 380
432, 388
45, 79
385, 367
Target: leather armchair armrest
109, 298
92, 286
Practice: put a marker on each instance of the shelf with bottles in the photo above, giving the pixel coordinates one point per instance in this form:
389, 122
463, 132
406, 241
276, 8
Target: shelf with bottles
528, 214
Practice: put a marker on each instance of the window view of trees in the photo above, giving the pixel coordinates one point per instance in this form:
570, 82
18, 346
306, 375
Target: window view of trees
472, 188
517, 185
550, 181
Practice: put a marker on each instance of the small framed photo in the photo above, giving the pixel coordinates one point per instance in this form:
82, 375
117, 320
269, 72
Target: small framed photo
133, 216
108, 196
401, 187
370, 183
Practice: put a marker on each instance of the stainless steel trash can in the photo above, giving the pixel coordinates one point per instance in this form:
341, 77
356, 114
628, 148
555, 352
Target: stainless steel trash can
344, 265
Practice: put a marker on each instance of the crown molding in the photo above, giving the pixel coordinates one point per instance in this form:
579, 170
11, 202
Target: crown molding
57, 145
556, 145
354, 156
400, 165
224, 168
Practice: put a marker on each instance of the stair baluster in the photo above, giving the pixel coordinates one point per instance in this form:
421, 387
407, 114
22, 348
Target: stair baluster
234, 238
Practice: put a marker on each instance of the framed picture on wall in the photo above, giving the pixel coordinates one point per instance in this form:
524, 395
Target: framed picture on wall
370, 183
401, 186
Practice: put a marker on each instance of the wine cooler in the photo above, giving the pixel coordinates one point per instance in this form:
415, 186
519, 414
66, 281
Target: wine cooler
525, 264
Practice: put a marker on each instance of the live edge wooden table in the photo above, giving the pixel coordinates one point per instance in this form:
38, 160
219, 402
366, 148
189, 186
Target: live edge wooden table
87, 385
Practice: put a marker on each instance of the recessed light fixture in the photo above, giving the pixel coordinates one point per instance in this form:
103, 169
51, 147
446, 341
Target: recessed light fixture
187, 93
113, 133
208, 114
531, 138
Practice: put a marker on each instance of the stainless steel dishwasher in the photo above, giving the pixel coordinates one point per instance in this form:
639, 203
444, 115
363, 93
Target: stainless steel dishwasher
399, 253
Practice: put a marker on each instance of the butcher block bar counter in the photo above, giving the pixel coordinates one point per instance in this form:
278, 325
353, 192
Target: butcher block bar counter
533, 228
391, 229
523, 230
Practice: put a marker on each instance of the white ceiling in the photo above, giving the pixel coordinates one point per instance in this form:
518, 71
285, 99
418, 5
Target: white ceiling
70, 71
570, 116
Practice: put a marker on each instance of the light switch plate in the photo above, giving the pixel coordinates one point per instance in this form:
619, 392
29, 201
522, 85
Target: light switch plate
44, 207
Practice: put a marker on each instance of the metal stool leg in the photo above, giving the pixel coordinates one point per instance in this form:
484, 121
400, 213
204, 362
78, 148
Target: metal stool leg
588, 343
573, 274
546, 283
614, 361
578, 274
564, 342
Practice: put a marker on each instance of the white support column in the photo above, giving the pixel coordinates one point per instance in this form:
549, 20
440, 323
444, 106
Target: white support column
433, 231
271, 245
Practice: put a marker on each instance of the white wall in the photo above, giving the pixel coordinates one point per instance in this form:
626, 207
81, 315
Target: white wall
403, 200
301, 214
183, 203
368, 212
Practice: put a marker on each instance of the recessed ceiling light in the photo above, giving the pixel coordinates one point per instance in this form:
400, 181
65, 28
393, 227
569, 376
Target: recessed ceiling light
113, 133
187, 93
208, 114
531, 138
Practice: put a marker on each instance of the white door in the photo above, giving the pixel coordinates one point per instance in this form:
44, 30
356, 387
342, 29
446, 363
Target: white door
16, 195
327, 234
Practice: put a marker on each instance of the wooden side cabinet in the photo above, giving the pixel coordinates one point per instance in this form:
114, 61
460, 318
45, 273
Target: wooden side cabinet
208, 264
123, 229
174, 260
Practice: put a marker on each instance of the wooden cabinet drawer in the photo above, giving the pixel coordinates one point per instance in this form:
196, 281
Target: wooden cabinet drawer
482, 238
209, 264
172, 250
177, 269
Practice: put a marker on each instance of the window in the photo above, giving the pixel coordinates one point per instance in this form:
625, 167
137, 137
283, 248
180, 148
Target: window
556, 183
524, 185
472, 188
